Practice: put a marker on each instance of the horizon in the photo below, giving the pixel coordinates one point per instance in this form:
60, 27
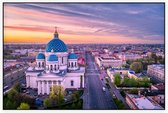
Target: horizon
84, 23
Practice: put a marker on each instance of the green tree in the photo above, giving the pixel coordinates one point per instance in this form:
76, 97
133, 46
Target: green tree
79, 105
47, 103
10, 105
137, 67
153, 55
23, 106
73, 106
17, 87
133, 91
57, 94
117, 79
74, 97
11, 94
133, 82
129, 61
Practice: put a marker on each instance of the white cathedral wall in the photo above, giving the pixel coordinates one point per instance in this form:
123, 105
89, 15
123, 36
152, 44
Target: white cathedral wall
31, 79
72, 76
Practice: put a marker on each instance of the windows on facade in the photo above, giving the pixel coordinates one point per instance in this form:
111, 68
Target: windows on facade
39, 64
71, 64
55, 67
72, 83
51, 67
42, 64
62, 59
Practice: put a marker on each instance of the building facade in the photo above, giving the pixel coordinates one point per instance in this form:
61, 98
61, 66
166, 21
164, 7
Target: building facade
109, 62
55, 67
156, 71
141, 102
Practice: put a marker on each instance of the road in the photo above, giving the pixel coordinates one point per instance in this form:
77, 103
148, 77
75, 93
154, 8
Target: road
14, 76
94, 96
117, 94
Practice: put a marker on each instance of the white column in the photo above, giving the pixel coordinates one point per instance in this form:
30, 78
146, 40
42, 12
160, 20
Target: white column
42, 87
52, 83
27, 81
47, 87
39, 89
83, 80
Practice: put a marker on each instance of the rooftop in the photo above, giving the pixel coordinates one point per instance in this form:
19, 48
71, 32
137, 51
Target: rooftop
158, 66
112, 69
143, 102
160, 86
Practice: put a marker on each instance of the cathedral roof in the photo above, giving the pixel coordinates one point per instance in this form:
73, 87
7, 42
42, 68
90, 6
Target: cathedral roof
56, 44
72, 56
40, 56
52, 58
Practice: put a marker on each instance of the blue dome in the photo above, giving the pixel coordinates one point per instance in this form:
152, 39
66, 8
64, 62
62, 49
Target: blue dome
72, 56
57, 45
52, 58
40, 56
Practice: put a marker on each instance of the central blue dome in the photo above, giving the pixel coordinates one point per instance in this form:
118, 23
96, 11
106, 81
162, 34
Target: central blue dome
56, 45
40, 56
52, 58
72, 56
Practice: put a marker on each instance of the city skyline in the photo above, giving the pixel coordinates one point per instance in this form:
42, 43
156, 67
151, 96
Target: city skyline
84, 23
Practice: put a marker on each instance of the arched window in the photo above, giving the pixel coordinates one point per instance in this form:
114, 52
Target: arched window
72, 83
51, 67
55, 67
62, 59
39, 64
71, 64
42, 64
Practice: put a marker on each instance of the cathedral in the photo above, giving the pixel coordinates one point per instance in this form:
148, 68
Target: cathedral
55, 67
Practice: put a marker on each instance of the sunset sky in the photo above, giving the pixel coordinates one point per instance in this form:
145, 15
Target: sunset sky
84, 23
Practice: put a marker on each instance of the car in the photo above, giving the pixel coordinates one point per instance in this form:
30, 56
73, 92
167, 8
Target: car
6, 87
27, 92
65, 99
24, 91
104, 89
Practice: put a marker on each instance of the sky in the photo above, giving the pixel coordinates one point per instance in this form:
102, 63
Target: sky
84, 23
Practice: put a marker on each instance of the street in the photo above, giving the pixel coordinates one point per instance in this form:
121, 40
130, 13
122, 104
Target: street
14, 76
94, 96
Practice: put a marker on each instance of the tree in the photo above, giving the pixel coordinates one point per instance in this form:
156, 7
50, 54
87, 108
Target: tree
23, 106
10, 105
11, 94
132, 82
153, 55
73, 106
79, 105
117, 79
124, 65
74, 97
57, 94
47, 103
17, 87
137, 67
